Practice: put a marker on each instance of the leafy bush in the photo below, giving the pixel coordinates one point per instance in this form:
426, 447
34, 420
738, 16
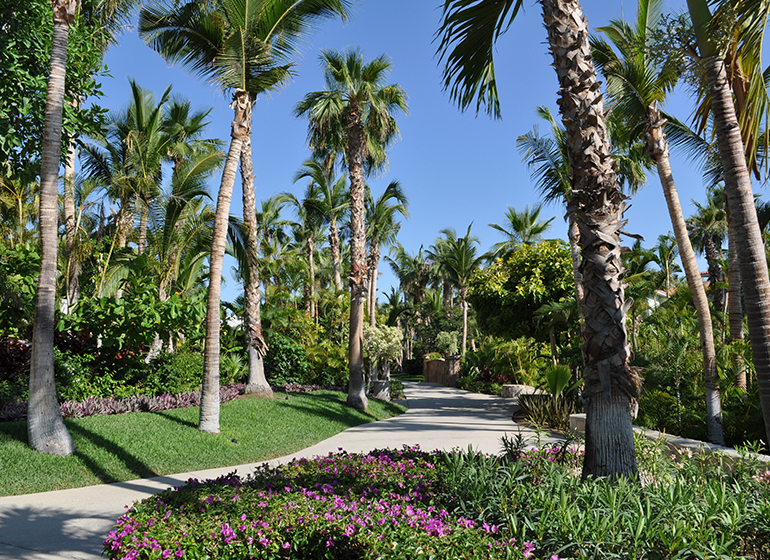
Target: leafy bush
506, 294
329, 363
176, 373
447, 343
286, 361
19, 269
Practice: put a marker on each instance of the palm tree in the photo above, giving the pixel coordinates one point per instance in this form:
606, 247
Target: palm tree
307, 232
521, 227
358, 102
45, 427
707, 229
461, 260
636, 83
381, 230
738, 191
331, 202
467, 36
245, 47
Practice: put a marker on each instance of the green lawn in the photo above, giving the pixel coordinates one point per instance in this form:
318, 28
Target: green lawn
145, 444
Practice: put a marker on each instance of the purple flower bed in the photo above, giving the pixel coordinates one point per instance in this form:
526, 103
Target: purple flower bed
146, 403
384, 504
137, 403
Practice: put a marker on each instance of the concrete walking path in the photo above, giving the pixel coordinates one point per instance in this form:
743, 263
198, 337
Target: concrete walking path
71, 524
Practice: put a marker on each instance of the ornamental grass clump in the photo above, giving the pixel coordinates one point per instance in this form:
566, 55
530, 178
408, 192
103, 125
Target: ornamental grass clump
380, 505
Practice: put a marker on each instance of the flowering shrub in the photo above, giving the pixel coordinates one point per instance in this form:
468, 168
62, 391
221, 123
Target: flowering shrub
380, 505
463, 504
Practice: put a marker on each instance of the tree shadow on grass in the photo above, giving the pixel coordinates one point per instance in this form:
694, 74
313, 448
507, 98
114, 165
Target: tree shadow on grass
167, 416
328, 407
132, 463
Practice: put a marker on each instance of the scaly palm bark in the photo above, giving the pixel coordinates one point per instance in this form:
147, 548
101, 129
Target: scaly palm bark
45, 427
597, 205
657, 148
740, 199
256, 347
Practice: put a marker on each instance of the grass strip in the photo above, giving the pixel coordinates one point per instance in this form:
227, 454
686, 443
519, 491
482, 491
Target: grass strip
146, 444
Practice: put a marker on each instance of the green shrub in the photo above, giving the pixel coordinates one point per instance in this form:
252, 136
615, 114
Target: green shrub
329, 363
79, 376
286, 361
447, 343
174, 373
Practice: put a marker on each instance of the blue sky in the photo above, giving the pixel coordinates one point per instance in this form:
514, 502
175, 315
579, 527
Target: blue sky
455, 168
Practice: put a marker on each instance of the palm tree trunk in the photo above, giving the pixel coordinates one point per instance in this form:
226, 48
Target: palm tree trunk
256, 347
311, 280
734, 304
465, 322
46, 431
71, 276
597, 206
334, 245
142, 241
356, 387
657, 148
209, 411
574, 245
375, 256
751, 249
715, 271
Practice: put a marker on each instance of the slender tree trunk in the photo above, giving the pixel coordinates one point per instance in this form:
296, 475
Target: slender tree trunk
657, 148
71, 276
311, 263
209, 411
751, 249
574, 246
356, 387
373, 285
334, 245
715, 272
597, 206
256, 347
142, 241
465, 320
734, 303
46, 431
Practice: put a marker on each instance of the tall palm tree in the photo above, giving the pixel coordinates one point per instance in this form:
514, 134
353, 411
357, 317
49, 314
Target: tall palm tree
708, 228
245, 47
381, 230
636, 84
521, 227
466, 42
738, 191
332, 202
461, 260
307, 232
359, 102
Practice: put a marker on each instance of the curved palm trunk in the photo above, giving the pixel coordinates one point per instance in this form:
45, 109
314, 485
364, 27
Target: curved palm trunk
657, 148
751, 249
45, 428
356, 386
256, 347
209, 412
596, 205
734, 304
334, 245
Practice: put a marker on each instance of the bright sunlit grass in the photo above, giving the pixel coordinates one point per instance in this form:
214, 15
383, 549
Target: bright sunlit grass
146, 444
